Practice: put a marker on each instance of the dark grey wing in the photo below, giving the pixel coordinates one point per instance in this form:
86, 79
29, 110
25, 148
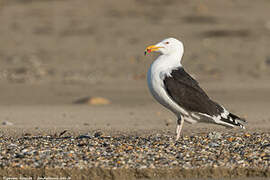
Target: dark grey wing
186, 92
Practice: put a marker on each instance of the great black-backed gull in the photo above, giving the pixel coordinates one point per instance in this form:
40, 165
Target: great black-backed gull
175, 89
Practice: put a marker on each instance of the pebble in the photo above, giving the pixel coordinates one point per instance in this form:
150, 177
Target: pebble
98, 134
214, 135
213, 144
7, 123
249, 150
98, 101
93, 101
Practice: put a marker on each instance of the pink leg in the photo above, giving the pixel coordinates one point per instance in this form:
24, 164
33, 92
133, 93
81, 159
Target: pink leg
179, 127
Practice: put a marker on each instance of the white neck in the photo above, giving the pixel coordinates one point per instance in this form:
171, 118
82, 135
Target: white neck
165, 63
169, 61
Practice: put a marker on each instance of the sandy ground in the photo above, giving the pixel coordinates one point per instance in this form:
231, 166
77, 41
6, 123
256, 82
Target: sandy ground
51, 107
53, 53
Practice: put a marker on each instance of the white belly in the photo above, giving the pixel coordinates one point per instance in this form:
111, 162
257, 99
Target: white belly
155, 87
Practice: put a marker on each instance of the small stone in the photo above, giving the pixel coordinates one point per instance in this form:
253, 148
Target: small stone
98, 134
231, 139
214, 135
265, 146
12, 145
24, 151
7, 123
212, 144
19, 155
93, 101
84, 136
99, 101
143, 167
129, 148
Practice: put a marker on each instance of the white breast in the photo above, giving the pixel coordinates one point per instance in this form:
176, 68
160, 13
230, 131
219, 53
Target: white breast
157, 72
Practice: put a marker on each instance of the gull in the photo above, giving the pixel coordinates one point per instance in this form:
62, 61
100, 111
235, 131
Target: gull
175, 89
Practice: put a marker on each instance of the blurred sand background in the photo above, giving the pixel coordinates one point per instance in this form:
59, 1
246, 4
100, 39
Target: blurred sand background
53, 53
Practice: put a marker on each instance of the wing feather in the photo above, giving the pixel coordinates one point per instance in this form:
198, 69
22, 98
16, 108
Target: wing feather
187, 93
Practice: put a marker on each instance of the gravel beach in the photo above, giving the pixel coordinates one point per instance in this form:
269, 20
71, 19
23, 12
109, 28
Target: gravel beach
212, 155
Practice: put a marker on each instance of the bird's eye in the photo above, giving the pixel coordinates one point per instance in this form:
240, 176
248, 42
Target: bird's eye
167, 43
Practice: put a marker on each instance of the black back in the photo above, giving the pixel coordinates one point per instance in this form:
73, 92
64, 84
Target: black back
186, 92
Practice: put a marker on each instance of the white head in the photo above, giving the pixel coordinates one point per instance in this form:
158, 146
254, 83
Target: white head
167, 47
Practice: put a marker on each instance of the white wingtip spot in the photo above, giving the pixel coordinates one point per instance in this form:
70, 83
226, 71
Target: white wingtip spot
217, 118
225, 113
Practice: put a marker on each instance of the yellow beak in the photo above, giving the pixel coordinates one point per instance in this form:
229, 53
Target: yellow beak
150, 49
